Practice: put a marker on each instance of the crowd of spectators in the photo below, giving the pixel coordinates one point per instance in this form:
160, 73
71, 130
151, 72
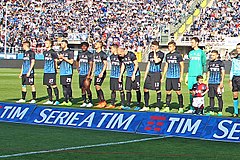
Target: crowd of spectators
133, 23
215, 23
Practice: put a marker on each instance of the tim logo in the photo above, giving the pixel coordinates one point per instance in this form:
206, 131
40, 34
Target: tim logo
155, 123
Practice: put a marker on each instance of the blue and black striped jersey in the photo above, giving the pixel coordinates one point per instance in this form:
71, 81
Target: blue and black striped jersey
65, 67
84, 58
27, 57
173, 60
49, 63
98, 59
155, 67
128, 61
115, 66
215, 69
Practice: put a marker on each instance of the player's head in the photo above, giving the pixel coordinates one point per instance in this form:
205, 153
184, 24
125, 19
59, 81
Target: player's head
200, 79
171, 46
195, 42
214, 55
48, 43
114, 49
26, 45
154, 46
98, 45
84, 46
238, 48
121, 51
64, 44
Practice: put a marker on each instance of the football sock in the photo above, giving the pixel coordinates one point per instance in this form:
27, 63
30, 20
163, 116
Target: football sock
180, 100
129, 97
235, 105
113, 97
84, 98
24, 95
212, 103
220, 103
49, 91
138, 97
159, 97
146, 98
168, 99
56, 92
34, 94
191, 100
122, 95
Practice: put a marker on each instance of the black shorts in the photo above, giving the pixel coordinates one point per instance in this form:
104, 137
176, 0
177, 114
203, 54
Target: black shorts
213, 90
82, 79
49, 79
66, 79
28, 80
173, 84
236, 84
115, 85
153, 81
98, 81
132, 85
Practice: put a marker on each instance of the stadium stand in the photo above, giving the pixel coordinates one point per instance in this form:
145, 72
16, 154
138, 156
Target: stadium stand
132, 23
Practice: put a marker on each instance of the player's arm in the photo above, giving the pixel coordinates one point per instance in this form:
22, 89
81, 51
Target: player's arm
104, 68
164, 71
147, 70
222, 75
31, 67
207, 77
68, 60
77, 63
135, 69
90, 69
231, 74
156, 59
121, 72
181, 71
93, 69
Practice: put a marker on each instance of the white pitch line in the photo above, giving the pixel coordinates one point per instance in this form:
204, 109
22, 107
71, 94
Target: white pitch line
80, 147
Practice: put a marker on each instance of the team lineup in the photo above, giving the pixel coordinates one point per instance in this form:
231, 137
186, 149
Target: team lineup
93, 67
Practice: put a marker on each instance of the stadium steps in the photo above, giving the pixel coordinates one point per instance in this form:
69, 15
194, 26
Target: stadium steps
189, 21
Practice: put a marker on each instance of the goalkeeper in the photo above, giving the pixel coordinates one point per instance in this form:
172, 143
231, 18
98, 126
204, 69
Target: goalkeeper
197, 66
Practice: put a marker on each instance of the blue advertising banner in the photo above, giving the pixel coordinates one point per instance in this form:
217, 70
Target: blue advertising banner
167, 124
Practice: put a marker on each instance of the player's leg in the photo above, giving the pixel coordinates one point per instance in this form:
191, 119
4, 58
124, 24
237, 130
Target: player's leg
220, 104
49, 92
191, 82
23, 89
235, 104
169, 87
235, 90
180, 101
128, 88
56, 93
87, 84
211, 94
34, 95
136, 86
146, 100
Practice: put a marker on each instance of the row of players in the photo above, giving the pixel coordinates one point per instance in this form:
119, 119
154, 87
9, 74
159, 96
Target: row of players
94, 65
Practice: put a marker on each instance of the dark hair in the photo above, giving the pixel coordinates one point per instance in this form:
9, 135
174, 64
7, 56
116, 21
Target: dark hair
100, 43
27, 42
238, 44
172, 42
199, 77
49, 40
115, 46
65, 41
155, 43
214, 51
84, 44
196, 39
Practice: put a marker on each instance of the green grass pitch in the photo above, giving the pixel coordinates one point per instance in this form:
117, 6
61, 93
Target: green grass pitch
19, 138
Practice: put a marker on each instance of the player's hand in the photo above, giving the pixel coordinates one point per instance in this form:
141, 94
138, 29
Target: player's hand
88, 77
28, 74
221, 85
180, 79
100, 75
78, 70
133, 78
120, 79
162, 79
20, 75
